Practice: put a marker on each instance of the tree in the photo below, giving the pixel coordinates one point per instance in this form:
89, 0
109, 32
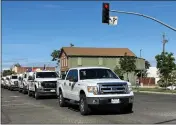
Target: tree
71, 45
55, 56
17, 65
165, 65
8, 72
127, 64
147, 64
144, 72
119, 72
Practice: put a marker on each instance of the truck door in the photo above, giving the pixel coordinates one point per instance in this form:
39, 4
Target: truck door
74, 85
66, 84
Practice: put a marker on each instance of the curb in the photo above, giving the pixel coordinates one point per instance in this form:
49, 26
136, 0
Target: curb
155, 92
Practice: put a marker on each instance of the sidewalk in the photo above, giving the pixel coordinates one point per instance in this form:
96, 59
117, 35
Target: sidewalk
166, 93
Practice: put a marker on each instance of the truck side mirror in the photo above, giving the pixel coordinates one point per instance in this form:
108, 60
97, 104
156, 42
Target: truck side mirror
63, 76
73, 79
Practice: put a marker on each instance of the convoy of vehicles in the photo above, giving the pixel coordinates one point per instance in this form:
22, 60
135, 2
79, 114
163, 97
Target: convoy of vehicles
86, 86
94, 86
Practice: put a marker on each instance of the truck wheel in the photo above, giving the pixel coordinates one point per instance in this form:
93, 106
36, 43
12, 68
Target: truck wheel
11, 89
128, 108
36, 94
62, 102
19, 90
29, 93
83, 106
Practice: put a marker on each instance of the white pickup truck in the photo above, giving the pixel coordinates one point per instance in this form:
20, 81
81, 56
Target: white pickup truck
94, 86
42, 83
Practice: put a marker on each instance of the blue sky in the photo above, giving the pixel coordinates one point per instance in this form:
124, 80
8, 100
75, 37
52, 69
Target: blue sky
32, 30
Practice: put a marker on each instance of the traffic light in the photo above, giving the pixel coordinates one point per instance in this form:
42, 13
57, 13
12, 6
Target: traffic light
105, 13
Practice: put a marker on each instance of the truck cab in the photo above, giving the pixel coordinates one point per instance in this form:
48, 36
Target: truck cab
13, 82
42, 83
94, 86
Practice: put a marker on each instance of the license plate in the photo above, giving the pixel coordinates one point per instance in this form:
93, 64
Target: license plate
52, 90
115, 101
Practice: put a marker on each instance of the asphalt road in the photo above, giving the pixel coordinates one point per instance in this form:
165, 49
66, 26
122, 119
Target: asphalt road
17, 108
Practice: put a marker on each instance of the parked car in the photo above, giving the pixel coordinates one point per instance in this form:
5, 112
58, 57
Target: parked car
173, 87
2, 82
7, 82
95, 86
13, 82
42, 83
20, 82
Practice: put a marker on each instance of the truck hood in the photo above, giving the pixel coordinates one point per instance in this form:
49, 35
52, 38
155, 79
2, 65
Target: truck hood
46, 79
95, 81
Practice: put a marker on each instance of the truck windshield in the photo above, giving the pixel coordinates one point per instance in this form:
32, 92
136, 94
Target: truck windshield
14, 77
46, 75
97, 74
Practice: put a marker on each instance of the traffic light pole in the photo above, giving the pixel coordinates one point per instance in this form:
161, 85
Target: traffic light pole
146, 16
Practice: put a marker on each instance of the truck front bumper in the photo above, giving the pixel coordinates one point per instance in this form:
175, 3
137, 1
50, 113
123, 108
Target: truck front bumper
14, 87
47, 92
109, 100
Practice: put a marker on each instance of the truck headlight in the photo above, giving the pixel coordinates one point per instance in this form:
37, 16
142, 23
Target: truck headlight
92, 89
39, 85
129, 88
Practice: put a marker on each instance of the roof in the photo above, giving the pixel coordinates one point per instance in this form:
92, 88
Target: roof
78, 51
79, 68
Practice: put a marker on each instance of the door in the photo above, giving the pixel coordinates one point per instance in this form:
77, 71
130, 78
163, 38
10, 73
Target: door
74, 85
66, 84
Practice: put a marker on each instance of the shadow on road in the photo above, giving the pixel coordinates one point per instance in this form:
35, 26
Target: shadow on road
48, 97
99, 111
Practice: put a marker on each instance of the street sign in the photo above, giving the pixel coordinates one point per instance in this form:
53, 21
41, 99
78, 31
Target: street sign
113, 20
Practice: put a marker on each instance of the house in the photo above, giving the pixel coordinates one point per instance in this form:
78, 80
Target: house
25, 69
108, 57
153, 72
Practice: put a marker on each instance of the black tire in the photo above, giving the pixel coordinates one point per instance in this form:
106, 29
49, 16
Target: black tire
19, 90
83, 106
128, 108
11, 89
36, 95
29, 93
62, 102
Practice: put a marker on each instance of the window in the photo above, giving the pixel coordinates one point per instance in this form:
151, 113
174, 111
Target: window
117, 62
79, 61
66, 62
62, 63
69, 74
46, 75
14, 77
72, 74
97, 74
25, 76
100, 61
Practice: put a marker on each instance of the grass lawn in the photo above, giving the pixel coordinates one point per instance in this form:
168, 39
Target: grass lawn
155, 90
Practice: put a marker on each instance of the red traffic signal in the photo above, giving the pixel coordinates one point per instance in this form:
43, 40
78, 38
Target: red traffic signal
106, 6
105, 13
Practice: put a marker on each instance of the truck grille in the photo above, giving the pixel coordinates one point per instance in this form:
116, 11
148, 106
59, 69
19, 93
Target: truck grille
113, 88
49, 84
16, 83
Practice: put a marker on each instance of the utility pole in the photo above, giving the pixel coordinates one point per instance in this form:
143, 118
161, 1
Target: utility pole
164, 42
